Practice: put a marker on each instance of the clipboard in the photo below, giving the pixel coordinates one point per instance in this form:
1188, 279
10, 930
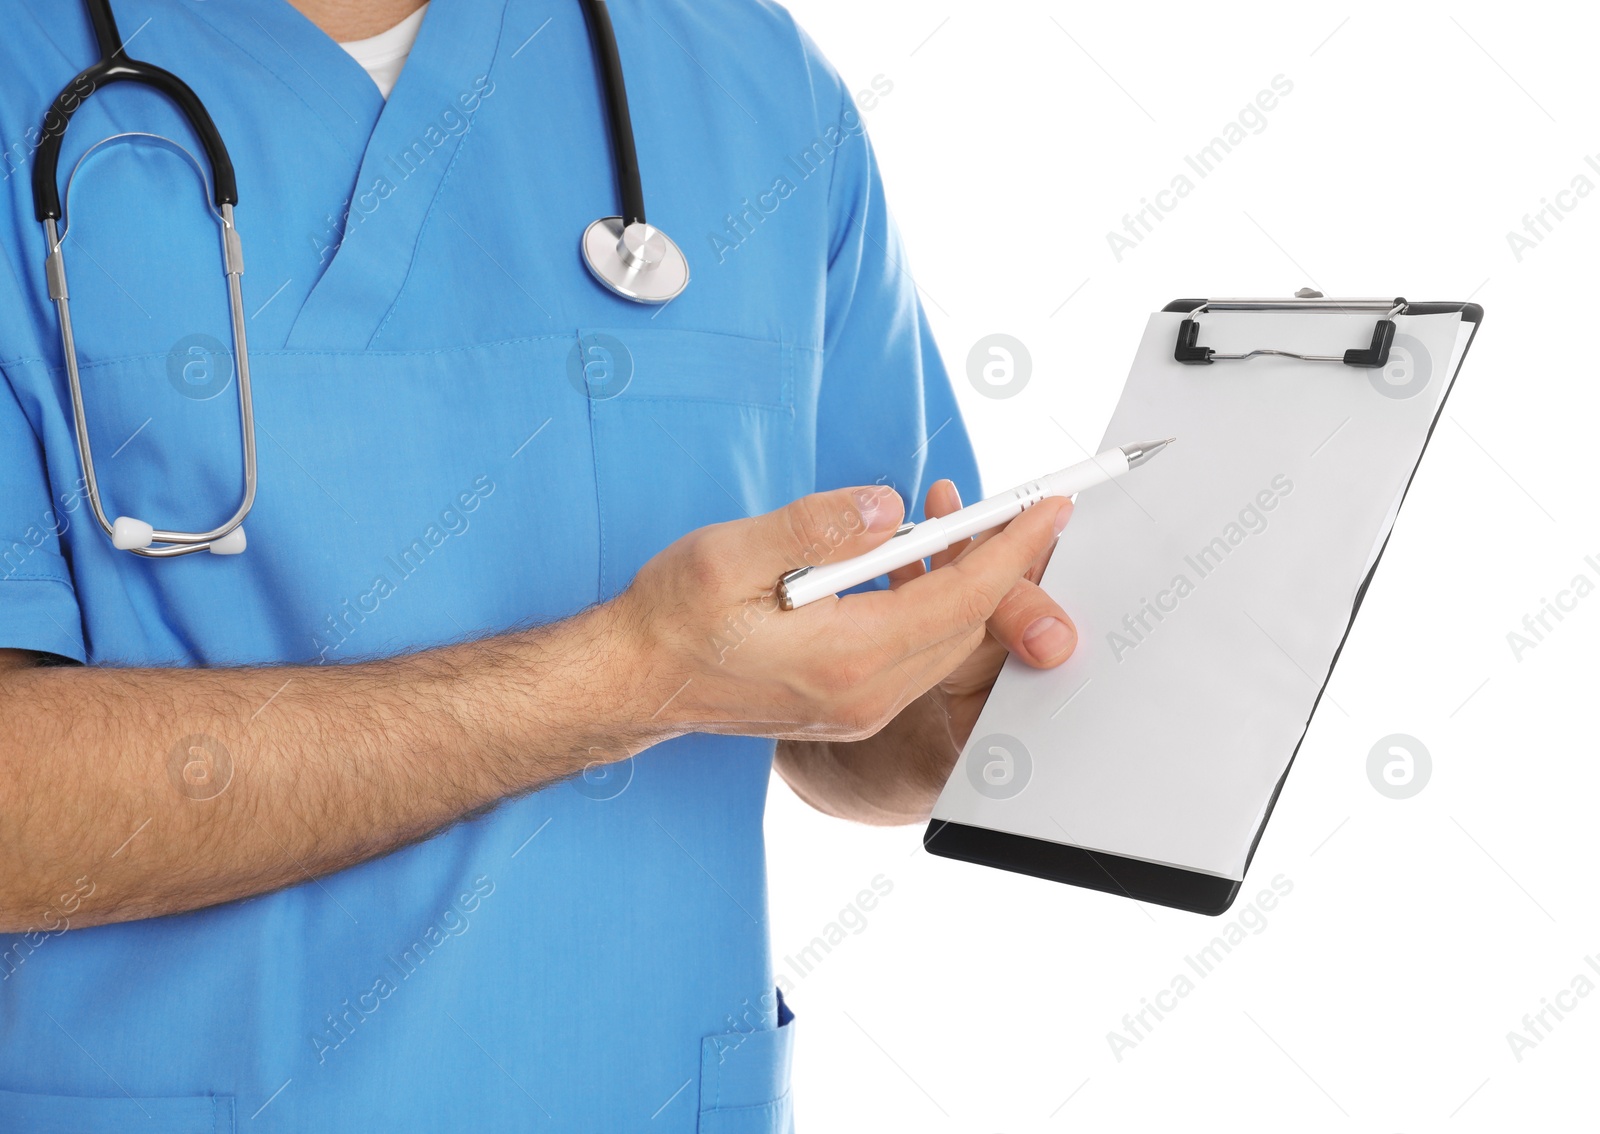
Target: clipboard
1213, 591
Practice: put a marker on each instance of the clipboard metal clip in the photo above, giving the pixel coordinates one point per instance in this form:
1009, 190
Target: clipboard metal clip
1371, 357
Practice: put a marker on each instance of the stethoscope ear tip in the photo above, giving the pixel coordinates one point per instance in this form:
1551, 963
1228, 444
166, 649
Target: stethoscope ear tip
128, 534
230, 544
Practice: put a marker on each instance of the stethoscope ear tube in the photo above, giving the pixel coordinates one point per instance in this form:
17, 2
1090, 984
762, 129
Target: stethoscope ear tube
104, 22
128, 533
46, 163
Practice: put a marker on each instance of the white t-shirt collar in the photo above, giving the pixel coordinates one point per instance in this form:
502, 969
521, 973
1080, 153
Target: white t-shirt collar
383, 55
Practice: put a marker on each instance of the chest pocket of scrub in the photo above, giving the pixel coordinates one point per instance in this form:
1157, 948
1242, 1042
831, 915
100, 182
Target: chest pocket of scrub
164, 432
200, 1114
744, 1080
690, 428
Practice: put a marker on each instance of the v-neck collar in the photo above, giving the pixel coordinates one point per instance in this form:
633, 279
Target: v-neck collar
391, 196
320, 73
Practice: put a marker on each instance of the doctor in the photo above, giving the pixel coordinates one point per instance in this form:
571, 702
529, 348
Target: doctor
440, 805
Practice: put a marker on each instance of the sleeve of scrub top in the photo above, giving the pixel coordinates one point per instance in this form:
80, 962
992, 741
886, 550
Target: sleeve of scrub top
38, 606
886, 413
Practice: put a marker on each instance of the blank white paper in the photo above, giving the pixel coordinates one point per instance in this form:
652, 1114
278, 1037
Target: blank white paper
1211, 589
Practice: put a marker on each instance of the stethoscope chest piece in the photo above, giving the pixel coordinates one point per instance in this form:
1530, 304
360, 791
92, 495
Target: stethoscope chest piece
636, 261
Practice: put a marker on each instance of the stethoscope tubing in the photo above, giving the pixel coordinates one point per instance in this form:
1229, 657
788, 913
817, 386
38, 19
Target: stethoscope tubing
115, 66
626, 254
108, 70
163, 543
624, 154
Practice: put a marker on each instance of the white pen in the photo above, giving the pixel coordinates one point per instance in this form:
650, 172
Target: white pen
918, 541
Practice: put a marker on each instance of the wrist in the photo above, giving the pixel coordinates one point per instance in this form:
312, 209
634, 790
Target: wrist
549, 702
891, 778
628, 674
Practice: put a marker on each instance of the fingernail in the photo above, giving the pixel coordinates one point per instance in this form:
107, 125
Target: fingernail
1063, 516
1047, 637
872, 504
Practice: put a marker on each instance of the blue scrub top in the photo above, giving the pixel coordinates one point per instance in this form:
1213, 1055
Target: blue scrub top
460, 433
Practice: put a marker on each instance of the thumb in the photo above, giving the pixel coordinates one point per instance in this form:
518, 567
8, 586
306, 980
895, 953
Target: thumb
1032, 625
823, 528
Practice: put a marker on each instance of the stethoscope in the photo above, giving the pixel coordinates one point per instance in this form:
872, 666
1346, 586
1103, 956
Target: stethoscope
629, 256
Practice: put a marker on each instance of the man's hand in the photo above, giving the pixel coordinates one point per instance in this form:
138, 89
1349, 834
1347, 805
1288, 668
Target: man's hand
1027, 623
721, 656
895, 776
285, 773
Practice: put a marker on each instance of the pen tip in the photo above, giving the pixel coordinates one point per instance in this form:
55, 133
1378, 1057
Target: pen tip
1139, 453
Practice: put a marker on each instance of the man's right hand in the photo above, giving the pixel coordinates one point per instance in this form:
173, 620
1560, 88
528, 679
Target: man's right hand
290, 772
716, 654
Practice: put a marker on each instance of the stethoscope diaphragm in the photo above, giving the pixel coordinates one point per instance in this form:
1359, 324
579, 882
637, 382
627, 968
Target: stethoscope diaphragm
636, 261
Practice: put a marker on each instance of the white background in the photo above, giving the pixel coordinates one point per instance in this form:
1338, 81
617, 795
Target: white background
1420, 931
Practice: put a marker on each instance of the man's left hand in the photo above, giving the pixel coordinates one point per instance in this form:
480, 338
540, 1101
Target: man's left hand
895, 775
1028, 623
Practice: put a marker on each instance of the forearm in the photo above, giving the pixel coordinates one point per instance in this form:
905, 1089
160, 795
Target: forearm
118, 781
891, 778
